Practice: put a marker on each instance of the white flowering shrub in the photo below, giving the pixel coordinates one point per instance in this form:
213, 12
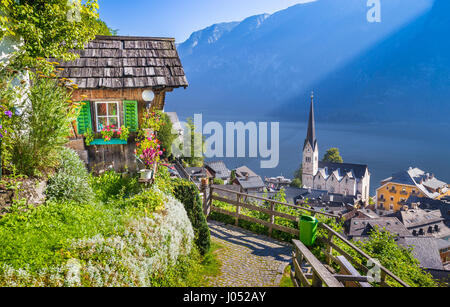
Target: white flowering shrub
150, 246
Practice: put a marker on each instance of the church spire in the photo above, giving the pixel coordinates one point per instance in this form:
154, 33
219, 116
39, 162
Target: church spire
311, 136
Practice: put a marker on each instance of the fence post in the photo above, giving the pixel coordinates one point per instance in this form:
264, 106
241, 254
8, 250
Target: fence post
203, 189
383, 279
316, 282
329, 247
238, 209
272, 218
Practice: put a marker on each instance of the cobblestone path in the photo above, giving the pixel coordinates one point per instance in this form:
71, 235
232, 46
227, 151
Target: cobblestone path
248, 260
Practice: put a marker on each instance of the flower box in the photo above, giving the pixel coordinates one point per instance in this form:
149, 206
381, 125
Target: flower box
102, 142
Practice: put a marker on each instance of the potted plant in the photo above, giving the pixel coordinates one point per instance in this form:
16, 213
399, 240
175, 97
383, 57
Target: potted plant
148, 150
89, 135
151, 123
123, 133
108, 133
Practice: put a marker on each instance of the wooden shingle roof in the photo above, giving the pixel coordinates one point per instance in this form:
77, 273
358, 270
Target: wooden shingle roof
115, 62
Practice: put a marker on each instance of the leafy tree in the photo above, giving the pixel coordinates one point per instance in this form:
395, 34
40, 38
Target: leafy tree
165, 135
49, 28
400, 261
333, 155
103, 29
233, 176
297, 182
197, 144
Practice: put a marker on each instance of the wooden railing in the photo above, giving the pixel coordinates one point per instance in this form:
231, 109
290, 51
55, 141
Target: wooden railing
240, 202
318, 275
331, 246
321, 274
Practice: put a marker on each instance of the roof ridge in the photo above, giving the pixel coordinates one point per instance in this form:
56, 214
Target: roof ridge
118, 37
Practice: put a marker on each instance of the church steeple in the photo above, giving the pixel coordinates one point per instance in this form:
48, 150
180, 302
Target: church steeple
311, 136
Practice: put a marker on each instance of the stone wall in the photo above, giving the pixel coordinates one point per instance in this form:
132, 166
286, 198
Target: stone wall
31, 190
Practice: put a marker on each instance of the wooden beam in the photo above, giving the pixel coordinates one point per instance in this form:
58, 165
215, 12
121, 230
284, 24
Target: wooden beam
277, 202
321, 272
355, 279
360, 252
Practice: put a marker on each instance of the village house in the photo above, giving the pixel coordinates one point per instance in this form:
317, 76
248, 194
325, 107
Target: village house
444, 251
248, 180
277, 183
339, 178
118, 78
426, 250
219, 170
428, 223
360, 229
394, 192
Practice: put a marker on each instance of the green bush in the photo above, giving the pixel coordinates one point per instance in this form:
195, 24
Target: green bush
218, 181
39, 238
187, 193
400, 261
36, 137
71, 182
111, 186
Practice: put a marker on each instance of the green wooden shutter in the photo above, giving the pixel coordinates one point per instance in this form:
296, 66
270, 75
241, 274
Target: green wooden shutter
130, 111
84, 121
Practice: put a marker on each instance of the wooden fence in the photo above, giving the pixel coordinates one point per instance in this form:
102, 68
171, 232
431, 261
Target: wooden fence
303, 260
241, 202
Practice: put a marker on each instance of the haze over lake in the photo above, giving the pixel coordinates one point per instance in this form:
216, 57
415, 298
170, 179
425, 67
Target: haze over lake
386, 148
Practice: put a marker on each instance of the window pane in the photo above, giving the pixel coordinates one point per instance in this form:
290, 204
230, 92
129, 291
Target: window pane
102, 123
113, 121
112, 109
101, 109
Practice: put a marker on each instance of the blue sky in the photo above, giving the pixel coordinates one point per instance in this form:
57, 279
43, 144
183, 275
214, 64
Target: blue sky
179, 18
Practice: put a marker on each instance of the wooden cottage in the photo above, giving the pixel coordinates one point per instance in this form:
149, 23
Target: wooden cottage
113, 72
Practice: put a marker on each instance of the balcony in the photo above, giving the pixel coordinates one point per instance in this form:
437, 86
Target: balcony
393, 191
404, 193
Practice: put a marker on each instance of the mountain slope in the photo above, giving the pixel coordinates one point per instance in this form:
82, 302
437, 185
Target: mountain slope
403, 78
269, 62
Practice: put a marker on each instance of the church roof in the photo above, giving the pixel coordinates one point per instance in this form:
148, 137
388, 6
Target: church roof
311, 136
357, 170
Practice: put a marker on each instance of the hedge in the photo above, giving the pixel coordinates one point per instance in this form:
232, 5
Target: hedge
187, 193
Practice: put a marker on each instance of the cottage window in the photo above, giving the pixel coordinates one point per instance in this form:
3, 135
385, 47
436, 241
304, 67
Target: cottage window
107, 114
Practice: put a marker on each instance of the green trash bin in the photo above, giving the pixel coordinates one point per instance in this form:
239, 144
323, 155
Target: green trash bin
308, 230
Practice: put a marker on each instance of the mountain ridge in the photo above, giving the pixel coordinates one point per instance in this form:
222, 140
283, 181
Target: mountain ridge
272, 68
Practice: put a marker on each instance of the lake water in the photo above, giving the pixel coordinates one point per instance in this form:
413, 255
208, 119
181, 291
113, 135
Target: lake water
386, 148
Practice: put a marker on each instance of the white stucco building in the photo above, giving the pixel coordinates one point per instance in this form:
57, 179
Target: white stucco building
338, 178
